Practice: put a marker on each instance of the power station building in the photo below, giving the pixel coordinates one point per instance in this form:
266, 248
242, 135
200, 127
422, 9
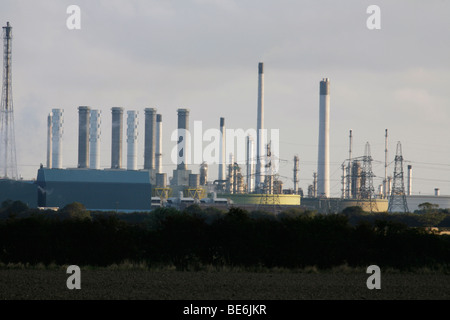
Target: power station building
96, 189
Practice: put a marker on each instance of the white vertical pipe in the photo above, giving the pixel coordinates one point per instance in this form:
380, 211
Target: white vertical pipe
49, 141
57, 133
94, 139
158, 155
409, 180
222, 161
250, 164
132, 133
260, 127
323, 165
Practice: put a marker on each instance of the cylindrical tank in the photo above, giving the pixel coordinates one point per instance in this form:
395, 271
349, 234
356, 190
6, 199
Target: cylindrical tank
436, 192
194, 180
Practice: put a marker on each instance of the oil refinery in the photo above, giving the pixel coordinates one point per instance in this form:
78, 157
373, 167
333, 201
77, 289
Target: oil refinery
252, 184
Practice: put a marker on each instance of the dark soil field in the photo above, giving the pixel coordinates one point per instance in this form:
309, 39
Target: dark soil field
35, 284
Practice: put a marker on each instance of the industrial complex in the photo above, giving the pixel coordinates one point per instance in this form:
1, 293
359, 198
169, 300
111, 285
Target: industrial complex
127, 187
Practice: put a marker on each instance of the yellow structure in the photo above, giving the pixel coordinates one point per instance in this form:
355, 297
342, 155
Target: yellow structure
256, 199
374, 205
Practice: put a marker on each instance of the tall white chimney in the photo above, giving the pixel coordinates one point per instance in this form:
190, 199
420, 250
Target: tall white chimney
49, 141
94, 139
260, 128
250, 164
222, 161
158, 155
323, 163
57, 133
132, 134
409, 191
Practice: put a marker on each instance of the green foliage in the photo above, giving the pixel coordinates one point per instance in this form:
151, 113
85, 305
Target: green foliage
199, 237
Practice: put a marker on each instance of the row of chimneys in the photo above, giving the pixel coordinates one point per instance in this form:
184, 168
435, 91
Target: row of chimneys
89, 138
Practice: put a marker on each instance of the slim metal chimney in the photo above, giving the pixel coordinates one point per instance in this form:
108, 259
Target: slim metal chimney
116, 138
323, 163
132, 134
222, 161
250, 164
296, 161
150, 138
158, 158
94, 139
49, 141
83, 137
57, 133
409, 192
260, 128
385, 162
183, 143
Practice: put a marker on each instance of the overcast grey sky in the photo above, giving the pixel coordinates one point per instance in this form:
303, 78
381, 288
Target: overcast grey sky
204, 54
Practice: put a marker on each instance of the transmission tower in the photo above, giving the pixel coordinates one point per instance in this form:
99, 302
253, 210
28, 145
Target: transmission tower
8, 162
367, 191
398, 197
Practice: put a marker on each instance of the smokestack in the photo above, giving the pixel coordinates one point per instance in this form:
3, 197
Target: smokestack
94, 139
57, 133
323, 165
385, 162
409, 192
150, 138
158, 158
436, 192
49, 141
116, 138
183, 144
260, 127
250, 165
296, 160
222, 162
132, 134
349, 167
83, 136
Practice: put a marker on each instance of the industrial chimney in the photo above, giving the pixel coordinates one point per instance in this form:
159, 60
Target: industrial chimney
409, 192
323, 163
83, 136
183, 144
222, 162
57, 133
94, 139
49, 141
158, 158
150, 138
250, 165
116, 138
132, 134
260, 127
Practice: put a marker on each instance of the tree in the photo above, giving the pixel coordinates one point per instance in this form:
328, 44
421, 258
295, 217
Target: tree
75, 210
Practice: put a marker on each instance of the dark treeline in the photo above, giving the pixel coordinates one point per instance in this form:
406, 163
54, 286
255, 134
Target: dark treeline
197, 237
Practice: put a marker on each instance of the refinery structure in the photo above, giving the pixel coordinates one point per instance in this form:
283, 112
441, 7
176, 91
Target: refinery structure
254, 184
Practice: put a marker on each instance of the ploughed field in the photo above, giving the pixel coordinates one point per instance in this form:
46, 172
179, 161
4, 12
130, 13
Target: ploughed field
106, 284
